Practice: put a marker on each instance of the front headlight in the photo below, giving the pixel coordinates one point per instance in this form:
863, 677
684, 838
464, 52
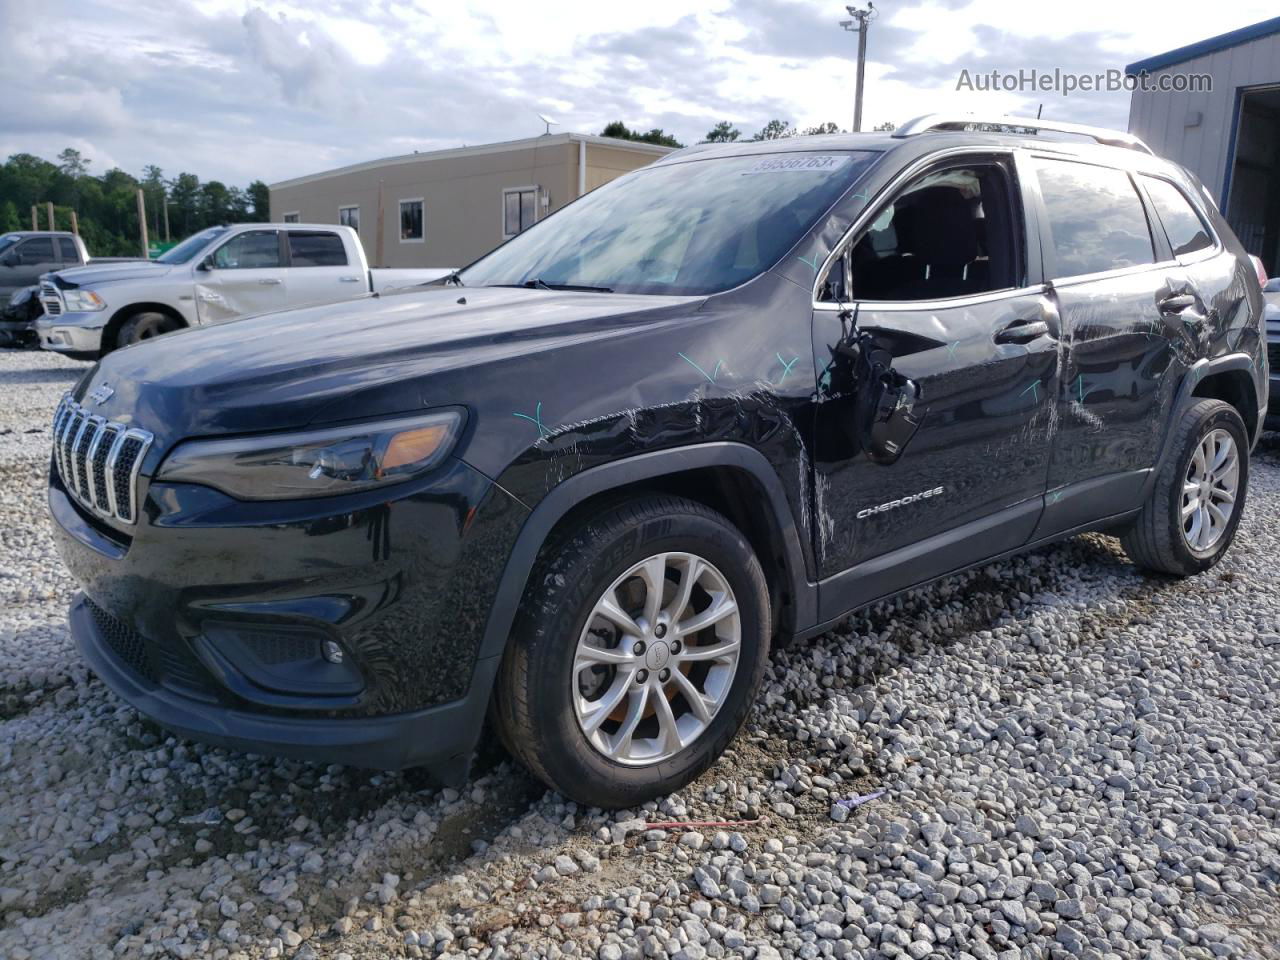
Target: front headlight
316, 463
79, 301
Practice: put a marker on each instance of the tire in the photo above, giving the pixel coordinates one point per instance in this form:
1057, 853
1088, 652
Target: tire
549, 681
1159, 538
146, 326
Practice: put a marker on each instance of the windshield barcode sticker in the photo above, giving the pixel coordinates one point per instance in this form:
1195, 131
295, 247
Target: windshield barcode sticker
798, 162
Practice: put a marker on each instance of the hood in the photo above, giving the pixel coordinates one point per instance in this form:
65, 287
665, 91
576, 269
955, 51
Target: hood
371, 357
94, 274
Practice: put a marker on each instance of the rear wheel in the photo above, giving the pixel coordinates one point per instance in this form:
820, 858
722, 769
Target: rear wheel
1190, 518
639, 647
146, 326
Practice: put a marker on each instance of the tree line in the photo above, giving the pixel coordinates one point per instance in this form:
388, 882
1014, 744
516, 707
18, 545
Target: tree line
725, 132
106, 204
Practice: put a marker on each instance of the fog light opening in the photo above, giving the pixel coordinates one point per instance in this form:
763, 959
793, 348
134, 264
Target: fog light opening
332, 652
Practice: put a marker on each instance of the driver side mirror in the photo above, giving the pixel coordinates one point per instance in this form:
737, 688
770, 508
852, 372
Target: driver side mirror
9, 260
206, 264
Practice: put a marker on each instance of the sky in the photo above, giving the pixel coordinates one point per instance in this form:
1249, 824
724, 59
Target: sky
240, 90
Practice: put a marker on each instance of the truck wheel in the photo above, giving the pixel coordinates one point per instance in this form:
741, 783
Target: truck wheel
636, 654
1191, 516
145, 326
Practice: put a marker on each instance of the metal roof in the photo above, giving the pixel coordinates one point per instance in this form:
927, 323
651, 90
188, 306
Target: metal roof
1203, 47
545, 140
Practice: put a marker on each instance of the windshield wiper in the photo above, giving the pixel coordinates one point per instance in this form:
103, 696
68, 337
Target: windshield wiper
537, 283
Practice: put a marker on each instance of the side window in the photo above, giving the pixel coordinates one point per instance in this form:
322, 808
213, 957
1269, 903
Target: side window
951, 233
255, 250
316, 248
1187, 233
69, 252
36, 250
411, 221
1095, 217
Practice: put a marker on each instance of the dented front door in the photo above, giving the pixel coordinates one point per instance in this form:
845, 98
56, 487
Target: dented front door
242, 277
972, 477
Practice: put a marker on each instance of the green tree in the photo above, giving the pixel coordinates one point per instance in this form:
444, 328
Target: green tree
774, 130
722, 132
260, 200
885, 127
72, 163
106, 205
184, 207
620, 131
820, 129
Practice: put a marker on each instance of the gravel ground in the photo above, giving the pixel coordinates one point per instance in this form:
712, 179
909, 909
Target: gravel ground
1065, 758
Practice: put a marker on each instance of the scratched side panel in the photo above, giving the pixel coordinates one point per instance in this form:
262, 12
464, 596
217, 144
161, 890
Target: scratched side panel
738, 369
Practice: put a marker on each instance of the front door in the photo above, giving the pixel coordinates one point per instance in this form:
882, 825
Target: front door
22, 266
949, 467
244, 276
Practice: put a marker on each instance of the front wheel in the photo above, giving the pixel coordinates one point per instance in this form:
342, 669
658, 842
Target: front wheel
146, 326
637, 653
1191, 516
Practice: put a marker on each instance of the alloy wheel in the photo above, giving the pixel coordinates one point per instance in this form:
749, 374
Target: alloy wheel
1209, 490
656, 659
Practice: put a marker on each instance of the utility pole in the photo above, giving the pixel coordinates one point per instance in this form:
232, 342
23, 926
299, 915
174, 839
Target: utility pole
166, 219
142, 225
48, 209
35, 219
859, 24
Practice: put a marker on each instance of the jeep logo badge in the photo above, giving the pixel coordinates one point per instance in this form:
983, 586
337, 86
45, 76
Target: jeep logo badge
101, 393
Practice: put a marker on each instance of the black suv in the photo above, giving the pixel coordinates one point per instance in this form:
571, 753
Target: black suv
583, 484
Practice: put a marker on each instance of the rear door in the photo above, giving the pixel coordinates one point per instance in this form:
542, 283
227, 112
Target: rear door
944, 290
243, 276
319, 271
1100, 255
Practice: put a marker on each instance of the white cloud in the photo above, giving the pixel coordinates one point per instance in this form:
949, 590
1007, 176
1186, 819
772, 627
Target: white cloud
238, 89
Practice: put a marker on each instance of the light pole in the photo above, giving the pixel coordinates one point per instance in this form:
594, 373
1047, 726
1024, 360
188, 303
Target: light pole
859, 24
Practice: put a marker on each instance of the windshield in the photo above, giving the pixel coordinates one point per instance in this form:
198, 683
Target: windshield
696, 227
189, 247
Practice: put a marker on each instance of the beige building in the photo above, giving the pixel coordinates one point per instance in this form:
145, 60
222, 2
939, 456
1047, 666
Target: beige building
448, 207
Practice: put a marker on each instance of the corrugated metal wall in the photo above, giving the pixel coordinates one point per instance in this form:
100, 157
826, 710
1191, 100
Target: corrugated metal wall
1161, 119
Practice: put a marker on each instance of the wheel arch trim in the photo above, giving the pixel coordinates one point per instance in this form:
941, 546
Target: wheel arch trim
1196, 374
621, 473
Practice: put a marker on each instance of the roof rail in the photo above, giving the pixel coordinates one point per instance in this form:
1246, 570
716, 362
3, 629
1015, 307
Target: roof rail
958, 121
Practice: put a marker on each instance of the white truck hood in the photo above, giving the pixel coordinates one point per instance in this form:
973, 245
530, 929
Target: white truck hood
111, 272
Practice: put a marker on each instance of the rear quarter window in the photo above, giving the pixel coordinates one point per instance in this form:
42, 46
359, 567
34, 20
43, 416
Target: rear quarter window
1096, 219
1186, 231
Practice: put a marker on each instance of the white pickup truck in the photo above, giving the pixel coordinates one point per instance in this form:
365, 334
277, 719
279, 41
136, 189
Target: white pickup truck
219, 274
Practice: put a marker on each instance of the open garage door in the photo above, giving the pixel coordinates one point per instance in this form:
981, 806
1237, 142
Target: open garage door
1253, 185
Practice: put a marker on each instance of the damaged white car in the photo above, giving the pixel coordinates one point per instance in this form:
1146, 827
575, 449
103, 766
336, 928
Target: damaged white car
219, 274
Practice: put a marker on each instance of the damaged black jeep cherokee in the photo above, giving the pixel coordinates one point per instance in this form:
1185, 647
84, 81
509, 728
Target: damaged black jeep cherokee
582, 485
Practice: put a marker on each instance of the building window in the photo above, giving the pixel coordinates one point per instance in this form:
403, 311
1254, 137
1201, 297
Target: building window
292, 217
519, 210
349, 217
411, 221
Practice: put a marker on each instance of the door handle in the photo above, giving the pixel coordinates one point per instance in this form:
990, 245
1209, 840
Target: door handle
269, 281
348, 279
1176, 303
1022, 331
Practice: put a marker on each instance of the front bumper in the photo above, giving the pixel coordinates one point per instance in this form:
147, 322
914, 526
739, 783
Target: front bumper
441, 738
211, 616
72, 332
